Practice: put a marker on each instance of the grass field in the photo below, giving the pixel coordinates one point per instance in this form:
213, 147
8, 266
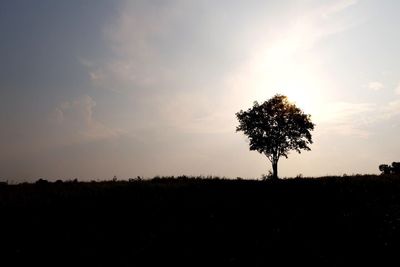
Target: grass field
328, 221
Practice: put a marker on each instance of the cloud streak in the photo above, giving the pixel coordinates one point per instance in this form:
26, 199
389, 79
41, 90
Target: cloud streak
348, 119
191, 52
76, 122
375, 86
392, 109
397, 89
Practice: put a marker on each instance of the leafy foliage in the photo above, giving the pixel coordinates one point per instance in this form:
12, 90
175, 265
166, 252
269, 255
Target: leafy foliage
393, 169
276, 127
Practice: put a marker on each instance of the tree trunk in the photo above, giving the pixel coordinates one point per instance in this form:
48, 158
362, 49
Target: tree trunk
275, 169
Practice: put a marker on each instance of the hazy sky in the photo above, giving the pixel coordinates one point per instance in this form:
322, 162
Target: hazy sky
93, 89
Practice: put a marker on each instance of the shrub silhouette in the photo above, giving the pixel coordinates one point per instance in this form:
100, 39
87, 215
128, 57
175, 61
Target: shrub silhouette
275, 127
385, 169
42, 181
393, 169
396, 167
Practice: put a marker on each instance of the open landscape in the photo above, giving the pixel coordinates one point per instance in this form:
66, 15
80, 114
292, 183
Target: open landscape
260, 133
327, 221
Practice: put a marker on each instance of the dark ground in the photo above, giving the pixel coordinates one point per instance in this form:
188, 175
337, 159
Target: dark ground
337, 221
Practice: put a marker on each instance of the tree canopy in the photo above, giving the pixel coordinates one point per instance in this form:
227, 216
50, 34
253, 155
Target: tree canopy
276, 127
387, 169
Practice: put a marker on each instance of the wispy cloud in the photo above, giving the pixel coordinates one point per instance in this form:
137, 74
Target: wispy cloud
69, 123
392, 109
175, 44
195, 65
337, 6
357, 119
375, 86
346, 118
77, 123
397, 89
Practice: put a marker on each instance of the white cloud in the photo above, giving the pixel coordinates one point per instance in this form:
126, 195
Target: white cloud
375, 86
391, 109
397, 90
195, 66
71, 122
76, 121
175, 44
179, 43
348, 118
96, 76
338, 6
357, 119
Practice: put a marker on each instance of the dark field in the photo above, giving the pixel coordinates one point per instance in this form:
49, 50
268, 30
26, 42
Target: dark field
333, 221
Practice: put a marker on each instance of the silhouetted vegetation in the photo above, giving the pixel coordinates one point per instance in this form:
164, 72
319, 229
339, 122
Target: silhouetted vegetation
331, 221
393, 169
276, 127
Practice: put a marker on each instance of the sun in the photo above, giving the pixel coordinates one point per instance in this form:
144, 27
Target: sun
301, 90
299, 81
285, 68
302, 95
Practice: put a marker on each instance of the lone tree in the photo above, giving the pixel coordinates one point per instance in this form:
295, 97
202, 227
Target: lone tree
275, 127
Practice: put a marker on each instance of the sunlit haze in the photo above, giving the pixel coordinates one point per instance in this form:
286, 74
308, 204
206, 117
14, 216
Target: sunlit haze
97, 89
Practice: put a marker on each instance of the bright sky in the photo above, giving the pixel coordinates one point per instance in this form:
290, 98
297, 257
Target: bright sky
93, 89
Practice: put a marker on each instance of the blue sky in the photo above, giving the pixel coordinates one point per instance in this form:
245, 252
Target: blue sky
93, 89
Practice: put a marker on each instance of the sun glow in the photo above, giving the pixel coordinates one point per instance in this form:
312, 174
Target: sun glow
281, 71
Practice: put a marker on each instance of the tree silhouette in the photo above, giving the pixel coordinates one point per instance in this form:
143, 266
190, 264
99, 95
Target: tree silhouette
393, 169
396, 167
385, 169
275, 127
